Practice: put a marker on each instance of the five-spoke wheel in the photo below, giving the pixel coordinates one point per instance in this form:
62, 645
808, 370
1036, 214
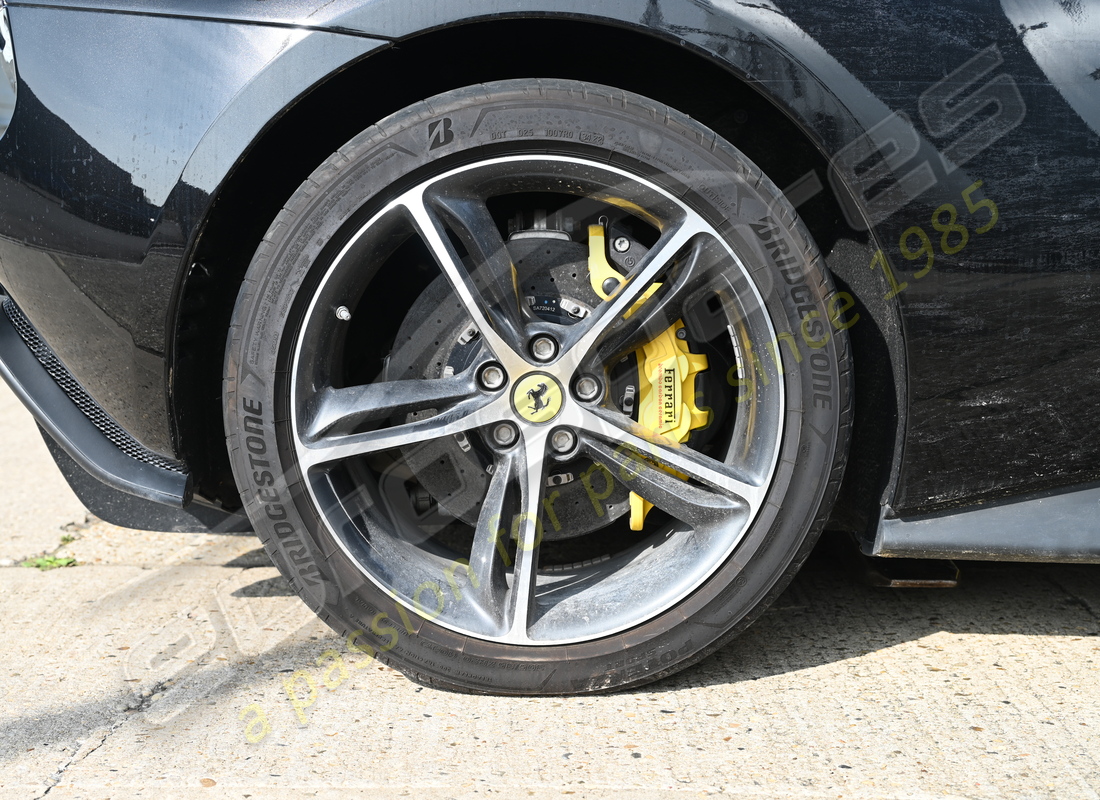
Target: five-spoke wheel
537, 405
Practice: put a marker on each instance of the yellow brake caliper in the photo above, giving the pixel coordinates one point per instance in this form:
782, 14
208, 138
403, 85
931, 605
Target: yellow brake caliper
666, 369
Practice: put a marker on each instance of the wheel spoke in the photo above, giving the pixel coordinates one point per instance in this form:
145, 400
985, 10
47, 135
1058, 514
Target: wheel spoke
463, 416
577, 345
498, 329
521, 597
488, 558
667, 306
475, 227
338, 411
695, 505
695, 465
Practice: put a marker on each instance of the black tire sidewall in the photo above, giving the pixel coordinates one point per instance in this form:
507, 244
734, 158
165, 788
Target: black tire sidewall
561, 117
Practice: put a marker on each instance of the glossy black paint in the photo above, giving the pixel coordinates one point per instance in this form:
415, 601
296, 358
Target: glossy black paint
1003, 354
108, 172
993, 352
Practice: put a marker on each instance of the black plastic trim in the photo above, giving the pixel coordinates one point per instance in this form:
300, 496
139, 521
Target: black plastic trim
128, 511
1053, 527
73, 425
69, 384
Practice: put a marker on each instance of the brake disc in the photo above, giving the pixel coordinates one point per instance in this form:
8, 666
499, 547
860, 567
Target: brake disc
437, 339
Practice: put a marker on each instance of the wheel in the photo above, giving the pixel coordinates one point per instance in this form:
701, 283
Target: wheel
536, 388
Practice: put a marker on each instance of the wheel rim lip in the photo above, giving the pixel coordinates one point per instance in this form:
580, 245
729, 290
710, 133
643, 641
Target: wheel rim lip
756, 299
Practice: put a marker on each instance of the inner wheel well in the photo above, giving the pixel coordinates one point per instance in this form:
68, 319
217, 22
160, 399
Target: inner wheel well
295, 144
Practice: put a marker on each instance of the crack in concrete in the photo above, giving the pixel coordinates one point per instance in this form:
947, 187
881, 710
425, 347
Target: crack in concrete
82, 753
137, 703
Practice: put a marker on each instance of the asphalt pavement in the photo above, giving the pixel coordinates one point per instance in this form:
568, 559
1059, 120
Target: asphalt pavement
182, 666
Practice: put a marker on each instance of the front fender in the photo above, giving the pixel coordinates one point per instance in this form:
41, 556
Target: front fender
123, 129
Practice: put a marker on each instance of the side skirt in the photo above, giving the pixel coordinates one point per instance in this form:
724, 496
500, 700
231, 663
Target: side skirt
1055, 527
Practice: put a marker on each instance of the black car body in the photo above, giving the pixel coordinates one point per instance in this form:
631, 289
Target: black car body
151, 144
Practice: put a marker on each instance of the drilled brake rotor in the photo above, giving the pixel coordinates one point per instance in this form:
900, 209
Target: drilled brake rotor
436, 339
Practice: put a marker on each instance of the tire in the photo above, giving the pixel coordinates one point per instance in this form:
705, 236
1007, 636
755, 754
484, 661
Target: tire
444, 412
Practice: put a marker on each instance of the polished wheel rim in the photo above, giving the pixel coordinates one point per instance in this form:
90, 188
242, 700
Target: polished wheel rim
524, 405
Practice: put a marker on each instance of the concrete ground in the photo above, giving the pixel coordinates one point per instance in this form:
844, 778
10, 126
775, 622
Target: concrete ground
166, 665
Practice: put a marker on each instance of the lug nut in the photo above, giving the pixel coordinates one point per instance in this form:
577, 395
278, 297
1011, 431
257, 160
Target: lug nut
563, 440
492, 377
544, 348
505, 434
587, 388
622, 244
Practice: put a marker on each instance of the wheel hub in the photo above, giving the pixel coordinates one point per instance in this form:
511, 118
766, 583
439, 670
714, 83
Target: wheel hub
537, 398
658, 385
435, 341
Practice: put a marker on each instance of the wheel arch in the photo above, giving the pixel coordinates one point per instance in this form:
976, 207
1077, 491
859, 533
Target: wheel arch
703, 84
